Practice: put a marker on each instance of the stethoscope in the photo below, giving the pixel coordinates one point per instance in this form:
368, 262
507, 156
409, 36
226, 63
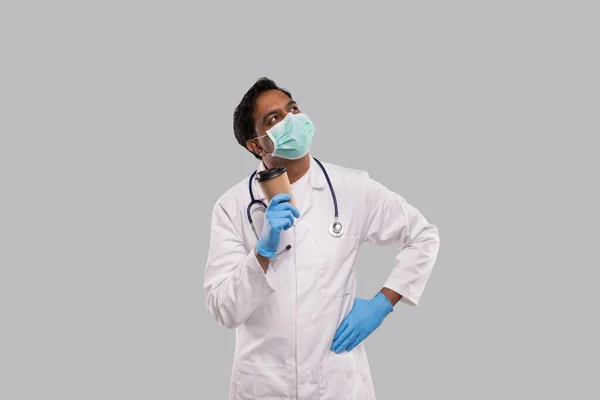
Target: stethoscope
335, 228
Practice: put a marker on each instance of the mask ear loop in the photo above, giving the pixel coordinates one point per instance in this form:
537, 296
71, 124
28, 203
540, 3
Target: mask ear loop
265, 135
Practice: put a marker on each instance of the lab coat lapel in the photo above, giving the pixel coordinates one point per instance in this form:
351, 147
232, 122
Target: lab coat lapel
316, 181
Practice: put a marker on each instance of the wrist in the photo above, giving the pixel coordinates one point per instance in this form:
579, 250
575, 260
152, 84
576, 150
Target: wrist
383, 303
391, 295
262, 251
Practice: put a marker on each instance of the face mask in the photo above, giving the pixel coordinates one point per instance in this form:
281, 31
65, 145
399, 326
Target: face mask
292, 136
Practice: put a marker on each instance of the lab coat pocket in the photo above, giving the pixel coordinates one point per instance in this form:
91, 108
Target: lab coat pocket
339, 378
336, 265
262, 381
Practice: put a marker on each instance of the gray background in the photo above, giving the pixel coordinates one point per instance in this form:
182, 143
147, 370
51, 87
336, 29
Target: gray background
116, 139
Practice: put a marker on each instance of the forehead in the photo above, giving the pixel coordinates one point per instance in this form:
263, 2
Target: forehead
270, 100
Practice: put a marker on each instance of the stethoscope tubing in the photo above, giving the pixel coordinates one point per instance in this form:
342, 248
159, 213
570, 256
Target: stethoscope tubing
335, 228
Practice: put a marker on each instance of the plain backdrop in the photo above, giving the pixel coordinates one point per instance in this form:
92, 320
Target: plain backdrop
116, 139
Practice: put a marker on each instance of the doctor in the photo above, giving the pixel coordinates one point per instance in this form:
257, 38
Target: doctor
287, 282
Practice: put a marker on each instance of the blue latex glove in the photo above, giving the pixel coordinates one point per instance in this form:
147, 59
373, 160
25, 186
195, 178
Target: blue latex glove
279, 216
363, 319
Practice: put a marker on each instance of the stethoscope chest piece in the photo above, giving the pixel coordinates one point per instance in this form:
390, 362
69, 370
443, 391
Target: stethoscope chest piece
336, 229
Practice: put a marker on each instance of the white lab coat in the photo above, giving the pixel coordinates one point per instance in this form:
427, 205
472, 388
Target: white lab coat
285, 319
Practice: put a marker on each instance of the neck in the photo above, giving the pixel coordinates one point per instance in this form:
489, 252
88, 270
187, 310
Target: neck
295, 168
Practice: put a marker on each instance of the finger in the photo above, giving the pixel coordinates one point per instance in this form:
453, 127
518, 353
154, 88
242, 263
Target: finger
280, 198
341, 328
354, 343
287, 224
345, 343
281, 214
293, 210
290, 207
291, 219
275, 227
282, 223
344, 335
287, 219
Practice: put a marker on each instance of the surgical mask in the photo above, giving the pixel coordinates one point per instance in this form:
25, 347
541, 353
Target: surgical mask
292, 136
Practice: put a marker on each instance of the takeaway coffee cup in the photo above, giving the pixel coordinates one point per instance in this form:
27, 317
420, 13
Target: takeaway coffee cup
273, 181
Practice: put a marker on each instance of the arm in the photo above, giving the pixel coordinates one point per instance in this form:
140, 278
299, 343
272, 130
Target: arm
262, 260
390, 220
392, 296
236, 282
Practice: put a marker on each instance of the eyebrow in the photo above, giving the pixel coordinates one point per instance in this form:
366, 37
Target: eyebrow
273, 112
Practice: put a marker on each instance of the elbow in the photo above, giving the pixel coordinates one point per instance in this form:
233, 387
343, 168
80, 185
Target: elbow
437, 240
427, 242
230, 323
226, 320
220, 313
434, 237
432, 249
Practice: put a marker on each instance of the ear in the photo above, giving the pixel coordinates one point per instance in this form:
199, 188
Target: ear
254, 147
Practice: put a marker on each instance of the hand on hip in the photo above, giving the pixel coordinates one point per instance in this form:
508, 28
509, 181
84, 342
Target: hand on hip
363, 319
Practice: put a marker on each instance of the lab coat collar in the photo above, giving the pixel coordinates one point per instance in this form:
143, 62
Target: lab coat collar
316, 178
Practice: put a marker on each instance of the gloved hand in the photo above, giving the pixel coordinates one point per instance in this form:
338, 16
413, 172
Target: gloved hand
279, 216
363, 319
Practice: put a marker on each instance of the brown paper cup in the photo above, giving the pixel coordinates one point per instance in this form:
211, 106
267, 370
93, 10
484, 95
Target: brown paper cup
274, 181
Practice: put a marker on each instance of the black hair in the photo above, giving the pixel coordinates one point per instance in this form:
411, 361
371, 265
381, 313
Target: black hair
243, 123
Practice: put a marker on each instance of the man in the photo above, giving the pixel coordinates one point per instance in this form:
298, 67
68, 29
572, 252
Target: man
288, 285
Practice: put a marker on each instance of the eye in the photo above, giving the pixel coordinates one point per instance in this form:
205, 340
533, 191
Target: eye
294, 109
273, 119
